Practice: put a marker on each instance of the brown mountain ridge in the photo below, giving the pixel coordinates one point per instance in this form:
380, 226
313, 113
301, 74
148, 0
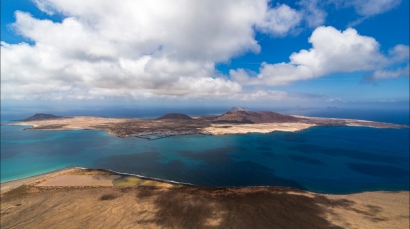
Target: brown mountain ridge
254, 117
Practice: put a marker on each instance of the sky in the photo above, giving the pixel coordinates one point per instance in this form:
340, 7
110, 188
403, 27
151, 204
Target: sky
206, 52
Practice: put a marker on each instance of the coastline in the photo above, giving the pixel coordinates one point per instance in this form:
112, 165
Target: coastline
150, 205
152, 129
16, 183
13, 184
63, 199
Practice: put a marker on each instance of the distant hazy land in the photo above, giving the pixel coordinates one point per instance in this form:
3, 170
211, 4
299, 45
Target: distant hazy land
236, 121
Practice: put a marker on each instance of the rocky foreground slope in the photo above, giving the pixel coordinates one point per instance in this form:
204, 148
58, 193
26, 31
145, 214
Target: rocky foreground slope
45, 204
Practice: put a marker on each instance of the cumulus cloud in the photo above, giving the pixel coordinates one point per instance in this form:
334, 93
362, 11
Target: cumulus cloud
280, 20
158, 49
140, 49
332, 51
137, 49
313, 13
399, 53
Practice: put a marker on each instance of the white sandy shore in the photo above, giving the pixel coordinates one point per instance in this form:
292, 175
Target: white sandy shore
73, 123
218, 129
6, 186
80, 180
81, 177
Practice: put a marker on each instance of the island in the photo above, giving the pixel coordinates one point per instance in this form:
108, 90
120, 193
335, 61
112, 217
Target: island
96, 198
235, 121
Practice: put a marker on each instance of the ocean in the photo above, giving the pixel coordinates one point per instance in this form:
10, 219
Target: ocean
334, 160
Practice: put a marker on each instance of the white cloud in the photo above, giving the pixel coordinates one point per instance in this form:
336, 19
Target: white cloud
399, 53
366, 8
138, 49
158, 49
373, 7
182, 30
144, 48
280, 20
333, 51
313, 13
386, 74
43, 7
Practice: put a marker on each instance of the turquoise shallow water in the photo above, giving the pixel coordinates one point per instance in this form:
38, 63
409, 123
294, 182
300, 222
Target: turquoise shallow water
321, 159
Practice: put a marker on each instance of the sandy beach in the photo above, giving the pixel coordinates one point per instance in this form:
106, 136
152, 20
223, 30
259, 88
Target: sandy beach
219, 129
74, 198
72, 123
6, 186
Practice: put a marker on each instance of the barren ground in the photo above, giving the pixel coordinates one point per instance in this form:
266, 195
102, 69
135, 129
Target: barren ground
45, 203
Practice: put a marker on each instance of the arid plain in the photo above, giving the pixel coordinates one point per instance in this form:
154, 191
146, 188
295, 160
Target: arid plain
56, 201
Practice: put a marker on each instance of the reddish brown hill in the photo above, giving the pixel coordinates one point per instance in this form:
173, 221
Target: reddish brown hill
255, 117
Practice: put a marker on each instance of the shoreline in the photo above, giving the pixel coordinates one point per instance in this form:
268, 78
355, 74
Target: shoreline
13, 184
58, 202
238, 129
153, 129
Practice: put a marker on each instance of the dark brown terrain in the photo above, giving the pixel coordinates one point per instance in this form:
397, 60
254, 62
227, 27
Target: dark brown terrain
195, 207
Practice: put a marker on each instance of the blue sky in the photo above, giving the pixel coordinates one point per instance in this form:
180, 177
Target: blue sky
310, 53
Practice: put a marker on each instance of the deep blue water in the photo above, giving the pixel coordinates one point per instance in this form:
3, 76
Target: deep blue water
320, 159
